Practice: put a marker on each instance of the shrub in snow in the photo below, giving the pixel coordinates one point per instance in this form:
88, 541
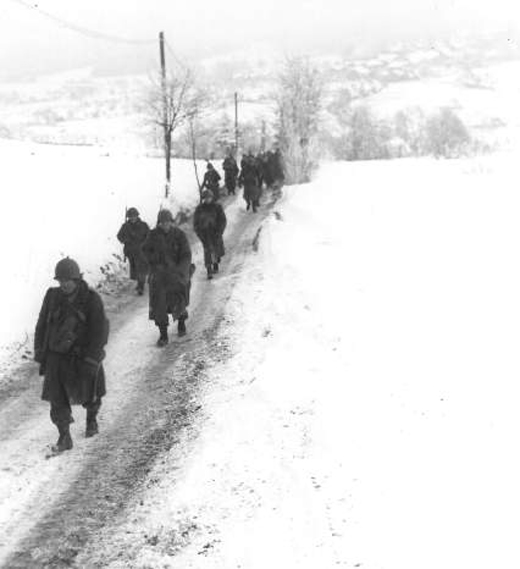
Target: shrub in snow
411, 133
366, 137
409, 126
446, 135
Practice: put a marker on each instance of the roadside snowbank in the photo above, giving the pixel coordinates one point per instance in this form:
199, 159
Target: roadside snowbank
367, 417
60, 201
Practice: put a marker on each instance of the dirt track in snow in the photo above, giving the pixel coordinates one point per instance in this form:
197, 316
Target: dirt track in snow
51, 508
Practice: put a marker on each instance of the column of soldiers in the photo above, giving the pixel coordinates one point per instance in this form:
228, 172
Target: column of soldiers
264, 169
255, 173
72, 329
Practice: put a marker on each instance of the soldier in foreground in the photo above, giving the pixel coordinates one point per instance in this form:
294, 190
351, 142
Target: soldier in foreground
230, 173
69, 342
132, 234
169, 255
209, 222
211, 180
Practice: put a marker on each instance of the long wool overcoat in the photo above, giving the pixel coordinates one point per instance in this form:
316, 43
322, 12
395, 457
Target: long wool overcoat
133, 235
251, 180
169, 258
211, 181
69, 340
230, 173
209, 223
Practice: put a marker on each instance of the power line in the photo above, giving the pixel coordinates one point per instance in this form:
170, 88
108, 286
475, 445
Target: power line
174, 55
93, 34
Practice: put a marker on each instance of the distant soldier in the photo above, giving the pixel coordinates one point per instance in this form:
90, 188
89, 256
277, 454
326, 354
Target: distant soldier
277, 168
230, 173
132, 234
250, 179
69, 342
260, 169
209, 222
268, 169
211, 180
169, 255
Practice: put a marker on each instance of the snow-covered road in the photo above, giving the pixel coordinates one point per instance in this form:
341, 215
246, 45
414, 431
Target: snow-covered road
49, 509
347, 395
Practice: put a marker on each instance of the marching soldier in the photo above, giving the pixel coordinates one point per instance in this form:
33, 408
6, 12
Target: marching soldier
230, 173
169, 256
69, 342
251, 180
209, 222
132, 234
211, 180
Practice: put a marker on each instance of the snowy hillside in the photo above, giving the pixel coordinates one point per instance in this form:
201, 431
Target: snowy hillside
473, 76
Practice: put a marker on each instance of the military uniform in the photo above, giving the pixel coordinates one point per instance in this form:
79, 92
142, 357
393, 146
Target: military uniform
69, 341
230, 174
133, 234
209, 223
251, 180
169, 256
211, 181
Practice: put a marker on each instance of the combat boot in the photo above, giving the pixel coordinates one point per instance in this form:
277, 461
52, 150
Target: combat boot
181, 327
210, 272
215, 267
92, 427
64, 441
163, 338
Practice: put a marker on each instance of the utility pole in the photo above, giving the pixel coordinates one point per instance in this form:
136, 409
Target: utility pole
236, 125
167, 131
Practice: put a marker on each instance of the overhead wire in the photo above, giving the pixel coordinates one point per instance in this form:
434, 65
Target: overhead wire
177, 59
93, 34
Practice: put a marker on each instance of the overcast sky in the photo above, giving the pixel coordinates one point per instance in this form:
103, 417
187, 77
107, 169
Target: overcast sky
32, 43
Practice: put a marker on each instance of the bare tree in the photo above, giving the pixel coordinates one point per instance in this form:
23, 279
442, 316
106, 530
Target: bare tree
168, 106
299, 105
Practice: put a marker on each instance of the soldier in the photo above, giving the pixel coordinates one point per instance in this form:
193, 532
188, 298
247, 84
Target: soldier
209, 222
211, 180
132, 234
250, 179
259, 169
69, 342
230, 173
277, 168
268, 171
169, 255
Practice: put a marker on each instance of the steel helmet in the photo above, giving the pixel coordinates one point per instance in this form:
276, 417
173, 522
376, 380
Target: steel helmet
132, 212
66, 270
164, 215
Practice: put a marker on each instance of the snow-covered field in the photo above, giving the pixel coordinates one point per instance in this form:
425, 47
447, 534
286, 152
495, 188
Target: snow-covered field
368, 417
485, 98
58, 201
